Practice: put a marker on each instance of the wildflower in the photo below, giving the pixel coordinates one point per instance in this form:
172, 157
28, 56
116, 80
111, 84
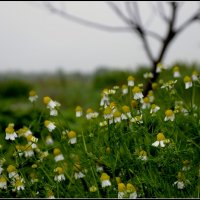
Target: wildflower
99, 168
169, 115
49, 102
105, 180
3, 182
79, 111
89, 113
186, 165
12, 172
93, 188
131, 191
160, 140
169, 85
105, 99
59, 174
181, 182
20, 150
127, 112
49, 140
118, 179
32, 96
150, 96
131, 80
104, 123
124, 89
154, 108
50, 195
143, 155
18, 184
26, 131
28, 151
195, 76
154, 86
148, 75
145, 103
53, 112
72, 137
134, 103
58, 155
49, 125
117, 116
137, 93
137, 119
176, 72
108, 113
10, 132
159, 68
121, 190
188, 82
34, 178
78, 174
32, 140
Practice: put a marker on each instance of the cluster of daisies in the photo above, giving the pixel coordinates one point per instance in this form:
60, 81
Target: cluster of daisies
110, 113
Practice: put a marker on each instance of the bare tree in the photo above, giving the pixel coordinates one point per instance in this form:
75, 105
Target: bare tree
133, 20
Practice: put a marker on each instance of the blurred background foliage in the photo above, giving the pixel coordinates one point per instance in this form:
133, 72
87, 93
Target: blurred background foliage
70, 90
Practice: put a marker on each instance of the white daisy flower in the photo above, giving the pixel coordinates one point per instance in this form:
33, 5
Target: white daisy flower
105, 180
49, 125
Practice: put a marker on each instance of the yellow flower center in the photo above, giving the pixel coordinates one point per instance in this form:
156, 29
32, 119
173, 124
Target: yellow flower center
176, 69
32, 93
187, 79
130, 188
89, 110
59, 170
134, 103
131, 78
11, 168
104, 177
9, 130
78, 108
160, 137
169, 113
136, 89
18, 183
146, 100
46, 122
143, 153
71, 134
121, 187
154, 86
117, 113
56, 151
186, 162
124, 87
126, 109
112, 105
93, 189
3, 180
194, 73
107, 111
118, 180
46, 100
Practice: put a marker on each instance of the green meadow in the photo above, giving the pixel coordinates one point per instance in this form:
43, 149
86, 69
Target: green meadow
97, 136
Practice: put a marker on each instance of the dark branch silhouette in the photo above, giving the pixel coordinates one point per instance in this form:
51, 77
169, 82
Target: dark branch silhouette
132, 18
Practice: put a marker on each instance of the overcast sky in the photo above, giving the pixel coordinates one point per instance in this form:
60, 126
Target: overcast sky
33, 40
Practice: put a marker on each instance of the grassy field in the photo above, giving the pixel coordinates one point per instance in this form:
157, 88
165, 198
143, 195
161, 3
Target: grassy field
97, 136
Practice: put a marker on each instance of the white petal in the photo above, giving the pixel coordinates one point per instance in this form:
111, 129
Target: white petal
155, 144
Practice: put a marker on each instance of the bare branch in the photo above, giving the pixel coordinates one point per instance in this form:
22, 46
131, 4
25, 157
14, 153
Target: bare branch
120, 14
85, 22
192, 19
137, 13
162, 12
